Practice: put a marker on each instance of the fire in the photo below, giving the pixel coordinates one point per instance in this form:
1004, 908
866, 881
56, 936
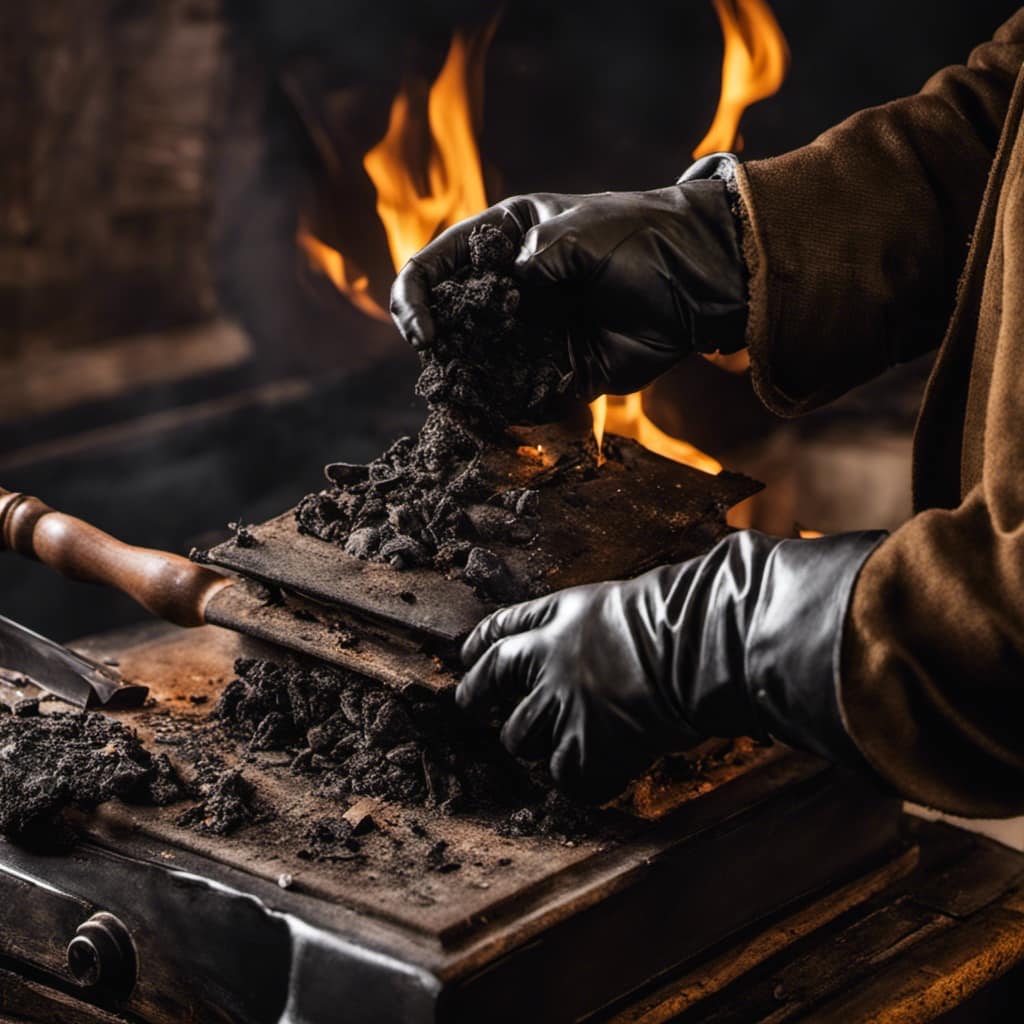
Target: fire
454, 182
625, 416
352, 283
453, 176
416, 199
599, 411
753, 68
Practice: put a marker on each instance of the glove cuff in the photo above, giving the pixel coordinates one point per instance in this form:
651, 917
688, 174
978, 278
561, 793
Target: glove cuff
720, 166
725, 330
795, 640
758, 625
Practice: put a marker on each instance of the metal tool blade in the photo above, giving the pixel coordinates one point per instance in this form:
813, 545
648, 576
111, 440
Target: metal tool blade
329, 634
18, 693
63, 673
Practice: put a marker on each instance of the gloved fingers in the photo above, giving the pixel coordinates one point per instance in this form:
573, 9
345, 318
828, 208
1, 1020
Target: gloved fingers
530, 730
440, 260
566, 765
591, 771
409, 308
551, 252
629, 361
589, 363
517, 618
501, 676
608, 362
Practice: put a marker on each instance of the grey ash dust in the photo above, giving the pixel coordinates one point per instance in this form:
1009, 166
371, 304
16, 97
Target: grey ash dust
51, 763
344, 736
409, 507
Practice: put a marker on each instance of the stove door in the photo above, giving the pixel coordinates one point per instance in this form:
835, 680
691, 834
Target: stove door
121, 935
96, 933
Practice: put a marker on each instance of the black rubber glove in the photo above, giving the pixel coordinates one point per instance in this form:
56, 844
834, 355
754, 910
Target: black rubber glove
608, 677
641, 278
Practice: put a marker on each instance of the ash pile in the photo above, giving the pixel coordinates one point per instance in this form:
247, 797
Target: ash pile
488, 367
68, 760
356, 738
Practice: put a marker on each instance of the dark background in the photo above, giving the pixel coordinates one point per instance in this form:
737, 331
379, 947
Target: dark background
580, 97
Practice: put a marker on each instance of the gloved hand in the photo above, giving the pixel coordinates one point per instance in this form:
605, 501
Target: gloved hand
610, 676
641, 278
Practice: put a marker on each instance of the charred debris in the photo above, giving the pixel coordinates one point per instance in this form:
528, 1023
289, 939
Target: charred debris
51, 764
355, 738
488, 367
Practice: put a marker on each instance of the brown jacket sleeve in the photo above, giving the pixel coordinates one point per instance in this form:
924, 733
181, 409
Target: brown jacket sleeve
932, 679
855, 242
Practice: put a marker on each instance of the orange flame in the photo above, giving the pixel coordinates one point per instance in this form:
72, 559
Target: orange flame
352, 283
625, 416
753, 68
453, 176
454, 179
413, 207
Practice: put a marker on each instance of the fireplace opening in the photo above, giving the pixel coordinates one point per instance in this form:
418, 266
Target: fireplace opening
206, 202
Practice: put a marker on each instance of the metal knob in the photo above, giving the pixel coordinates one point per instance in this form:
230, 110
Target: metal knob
101, 955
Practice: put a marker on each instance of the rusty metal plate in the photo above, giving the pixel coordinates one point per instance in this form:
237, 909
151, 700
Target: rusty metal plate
330, 635
637, 511
417, 599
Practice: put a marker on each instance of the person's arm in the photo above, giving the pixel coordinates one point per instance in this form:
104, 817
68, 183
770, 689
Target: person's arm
639, 279
604, 678
932, 672
855, 242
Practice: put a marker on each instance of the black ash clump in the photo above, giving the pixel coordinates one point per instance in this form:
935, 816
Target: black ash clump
357, 738
330, 838
50, 763
227, 802
487, 368
486, 359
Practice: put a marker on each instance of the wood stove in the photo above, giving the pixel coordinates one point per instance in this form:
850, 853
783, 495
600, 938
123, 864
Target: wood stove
243, 928
167, 924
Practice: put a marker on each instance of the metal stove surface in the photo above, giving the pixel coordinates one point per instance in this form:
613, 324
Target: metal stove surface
528, 926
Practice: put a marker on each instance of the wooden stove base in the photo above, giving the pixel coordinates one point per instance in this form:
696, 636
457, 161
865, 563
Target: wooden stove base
567, 933
935, 933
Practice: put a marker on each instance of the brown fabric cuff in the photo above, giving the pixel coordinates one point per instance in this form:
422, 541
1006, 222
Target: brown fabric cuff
919, 691
759, 317
814, 327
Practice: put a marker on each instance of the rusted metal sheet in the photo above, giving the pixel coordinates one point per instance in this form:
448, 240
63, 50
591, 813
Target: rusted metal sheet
419, 599
386, 655
639, 510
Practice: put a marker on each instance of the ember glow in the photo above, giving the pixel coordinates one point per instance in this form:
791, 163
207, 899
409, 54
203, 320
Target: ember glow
625, 416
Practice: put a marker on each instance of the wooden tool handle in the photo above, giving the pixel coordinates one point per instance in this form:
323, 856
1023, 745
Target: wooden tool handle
169, 586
